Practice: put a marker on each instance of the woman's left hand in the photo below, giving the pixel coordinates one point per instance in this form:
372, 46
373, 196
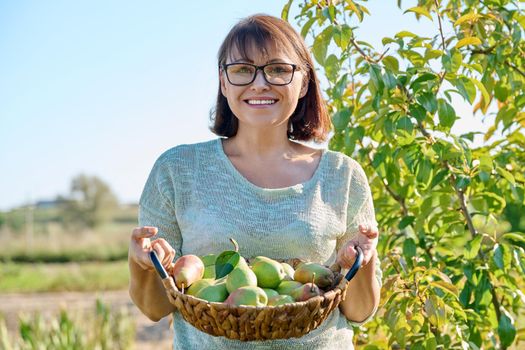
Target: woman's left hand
366, 239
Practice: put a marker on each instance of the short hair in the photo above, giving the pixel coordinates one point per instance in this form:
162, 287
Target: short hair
310, 120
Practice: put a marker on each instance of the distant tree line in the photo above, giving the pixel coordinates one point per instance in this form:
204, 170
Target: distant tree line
89, 204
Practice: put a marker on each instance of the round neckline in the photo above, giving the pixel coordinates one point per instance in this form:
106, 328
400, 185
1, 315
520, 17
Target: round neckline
297, 188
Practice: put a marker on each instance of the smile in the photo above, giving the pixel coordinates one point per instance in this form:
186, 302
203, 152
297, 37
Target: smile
261, 102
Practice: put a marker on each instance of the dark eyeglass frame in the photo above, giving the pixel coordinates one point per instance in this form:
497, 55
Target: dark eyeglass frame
257, 68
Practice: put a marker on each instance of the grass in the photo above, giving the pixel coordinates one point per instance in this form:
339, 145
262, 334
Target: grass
88, 276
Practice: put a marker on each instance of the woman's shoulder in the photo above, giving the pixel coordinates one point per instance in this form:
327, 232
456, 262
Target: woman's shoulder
185, 152
339, 160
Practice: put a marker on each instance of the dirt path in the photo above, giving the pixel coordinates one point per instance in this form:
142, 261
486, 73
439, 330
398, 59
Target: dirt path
150, 335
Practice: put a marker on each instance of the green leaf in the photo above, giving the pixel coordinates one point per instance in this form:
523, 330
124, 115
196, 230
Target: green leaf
420, 11
472, 248
409, 246
286, 9
405, 33
507, 175
341, 118
447, 114
466, 88
376, 78
407, 220
506, 330
446, 287
482, 89
417, 112
226, 262
469, 17
320, 45
462, 181
391, 63
424, 171
513, 237
307, 26
428, 101
468, 41
342, 36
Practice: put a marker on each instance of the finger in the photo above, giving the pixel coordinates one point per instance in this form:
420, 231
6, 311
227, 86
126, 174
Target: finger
368, 231
143, 232
167, 251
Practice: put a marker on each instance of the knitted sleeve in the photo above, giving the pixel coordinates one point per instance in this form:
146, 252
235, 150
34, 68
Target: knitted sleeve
156, 206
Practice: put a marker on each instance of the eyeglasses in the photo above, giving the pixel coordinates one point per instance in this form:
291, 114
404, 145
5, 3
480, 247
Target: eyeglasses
241, 74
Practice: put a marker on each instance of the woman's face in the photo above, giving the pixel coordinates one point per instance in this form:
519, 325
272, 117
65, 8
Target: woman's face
260, 104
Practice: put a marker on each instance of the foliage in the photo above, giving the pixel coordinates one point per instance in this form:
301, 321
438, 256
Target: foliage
106, 330
450, 213
91, 202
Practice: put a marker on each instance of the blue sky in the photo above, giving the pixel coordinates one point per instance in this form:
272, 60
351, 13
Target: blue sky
104, 87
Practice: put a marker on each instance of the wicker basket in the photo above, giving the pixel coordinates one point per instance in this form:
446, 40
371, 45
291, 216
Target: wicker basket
260, 323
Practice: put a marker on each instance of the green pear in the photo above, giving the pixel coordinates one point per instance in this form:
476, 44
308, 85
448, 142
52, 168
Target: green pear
215, 293
209, 272
209, 259
200, 284
305, 292
209, 265
324, 277
187, 270
270, 292
241, 276
286, 287
288, 270
280, 300
269, 273
249, 295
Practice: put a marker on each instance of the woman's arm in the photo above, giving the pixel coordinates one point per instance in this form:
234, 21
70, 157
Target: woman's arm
362, 294
145, 287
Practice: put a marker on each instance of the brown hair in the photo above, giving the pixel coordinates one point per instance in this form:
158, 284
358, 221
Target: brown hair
310, 119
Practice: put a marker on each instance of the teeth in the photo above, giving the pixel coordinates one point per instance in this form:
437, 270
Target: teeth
261, 102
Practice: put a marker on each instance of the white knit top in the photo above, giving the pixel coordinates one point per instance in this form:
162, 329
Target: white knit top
198, 199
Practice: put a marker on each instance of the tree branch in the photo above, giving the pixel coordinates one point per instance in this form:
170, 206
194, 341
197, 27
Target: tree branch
513, 66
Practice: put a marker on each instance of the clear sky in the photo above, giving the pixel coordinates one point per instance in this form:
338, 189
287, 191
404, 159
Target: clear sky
104, 87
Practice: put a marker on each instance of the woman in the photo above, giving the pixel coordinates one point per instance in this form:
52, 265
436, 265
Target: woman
275, 196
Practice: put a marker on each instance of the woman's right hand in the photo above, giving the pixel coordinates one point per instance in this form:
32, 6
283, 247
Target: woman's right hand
141, 244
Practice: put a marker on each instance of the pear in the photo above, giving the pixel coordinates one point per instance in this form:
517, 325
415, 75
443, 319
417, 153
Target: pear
305, 292
249, 295
215, 293
280, 300
288, 270
324, 277
269, 273
286, 287
257, 259
241, 276
187, 270
196, 287
209, 265
270, 292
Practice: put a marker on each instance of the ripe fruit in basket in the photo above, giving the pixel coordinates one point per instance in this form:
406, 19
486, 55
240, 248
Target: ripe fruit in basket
305, 292
269, 273
197, 286
288, 270
241, 276
216, 292
186, 270
281, 300
270, 292
250, 295
286, 287
209, 265
324, 277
